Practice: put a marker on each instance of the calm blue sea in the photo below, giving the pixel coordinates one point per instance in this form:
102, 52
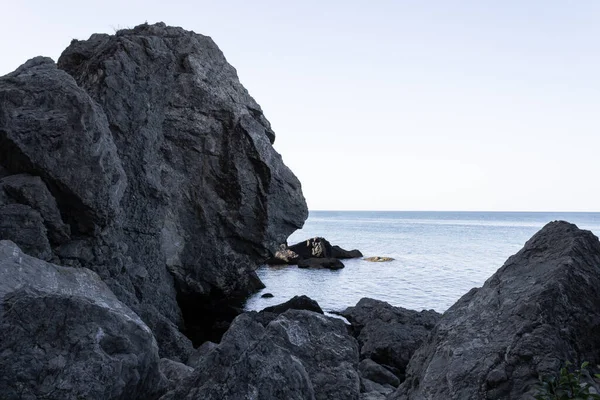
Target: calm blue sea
439, 256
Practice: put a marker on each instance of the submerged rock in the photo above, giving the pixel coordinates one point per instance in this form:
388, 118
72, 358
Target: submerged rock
299, 355
538, 311
378, 259
148, 162
329, 263
64, 335
389, 335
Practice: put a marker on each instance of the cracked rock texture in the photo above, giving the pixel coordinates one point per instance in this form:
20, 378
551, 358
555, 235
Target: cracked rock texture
141, 157
536, 312
64, 335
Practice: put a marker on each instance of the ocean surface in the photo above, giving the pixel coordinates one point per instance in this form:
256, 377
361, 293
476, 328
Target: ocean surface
439, 256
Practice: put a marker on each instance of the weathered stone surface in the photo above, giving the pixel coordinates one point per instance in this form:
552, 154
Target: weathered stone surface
31, 191
539, 310
25, 226
372, 371
329, 263
160, 165
338, 252
389, 335
299, 355
283, 256
64, 335
174, 372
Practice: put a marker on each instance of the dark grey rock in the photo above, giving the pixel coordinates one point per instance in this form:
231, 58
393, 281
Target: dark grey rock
338, 252
328, 263
31, 191
295, 303
267, 295
160, 164
536, 312
319, 247
389, 335
372, 371
374, 391
25, 226
299, 355
64, 335
174, 372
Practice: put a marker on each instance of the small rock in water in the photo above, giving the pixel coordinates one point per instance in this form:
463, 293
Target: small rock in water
329, 263
378, 259
267, 295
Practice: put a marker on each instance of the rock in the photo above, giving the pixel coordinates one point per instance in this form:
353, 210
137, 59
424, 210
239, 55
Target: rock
160, 165
267, 295
537, 311
338, 252
174, 372
31, 191
373, 390
372, 371
299, 355
25, 226
329, 263
283, 256
65, 335
320, 248
389, 335
378, 259
296, 303
196, 357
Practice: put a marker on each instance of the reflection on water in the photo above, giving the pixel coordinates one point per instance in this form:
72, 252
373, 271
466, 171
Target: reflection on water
439, 256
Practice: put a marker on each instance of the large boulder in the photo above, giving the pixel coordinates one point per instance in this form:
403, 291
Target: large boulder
299, 355
64, 335
536, 312
389, 335
161, 168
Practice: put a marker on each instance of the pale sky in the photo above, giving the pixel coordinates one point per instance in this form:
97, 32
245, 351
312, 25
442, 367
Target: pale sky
392, 105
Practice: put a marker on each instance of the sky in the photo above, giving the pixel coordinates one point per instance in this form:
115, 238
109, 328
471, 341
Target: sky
391, 105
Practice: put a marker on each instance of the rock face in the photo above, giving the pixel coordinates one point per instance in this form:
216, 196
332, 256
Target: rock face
538, 311
143, 158
64, 335
389, 335
283, 256
299, 355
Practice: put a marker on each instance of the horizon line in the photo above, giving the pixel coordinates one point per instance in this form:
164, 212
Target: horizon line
462, 211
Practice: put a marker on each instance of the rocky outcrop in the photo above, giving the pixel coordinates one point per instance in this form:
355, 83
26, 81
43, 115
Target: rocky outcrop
378, 259
143, 158
538, 311
389, 335
319, 247
299, 355
64, 335
328, 263
283, 256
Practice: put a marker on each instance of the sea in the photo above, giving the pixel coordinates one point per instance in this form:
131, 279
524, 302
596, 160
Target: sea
439, 256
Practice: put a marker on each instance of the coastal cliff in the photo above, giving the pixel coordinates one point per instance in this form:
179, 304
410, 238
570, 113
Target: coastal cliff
141, 157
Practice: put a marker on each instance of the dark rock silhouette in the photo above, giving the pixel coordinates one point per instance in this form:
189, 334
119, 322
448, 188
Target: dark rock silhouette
154, 168
389, 335
64, 335
298, 355
329, 263
321, 248
538, 311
